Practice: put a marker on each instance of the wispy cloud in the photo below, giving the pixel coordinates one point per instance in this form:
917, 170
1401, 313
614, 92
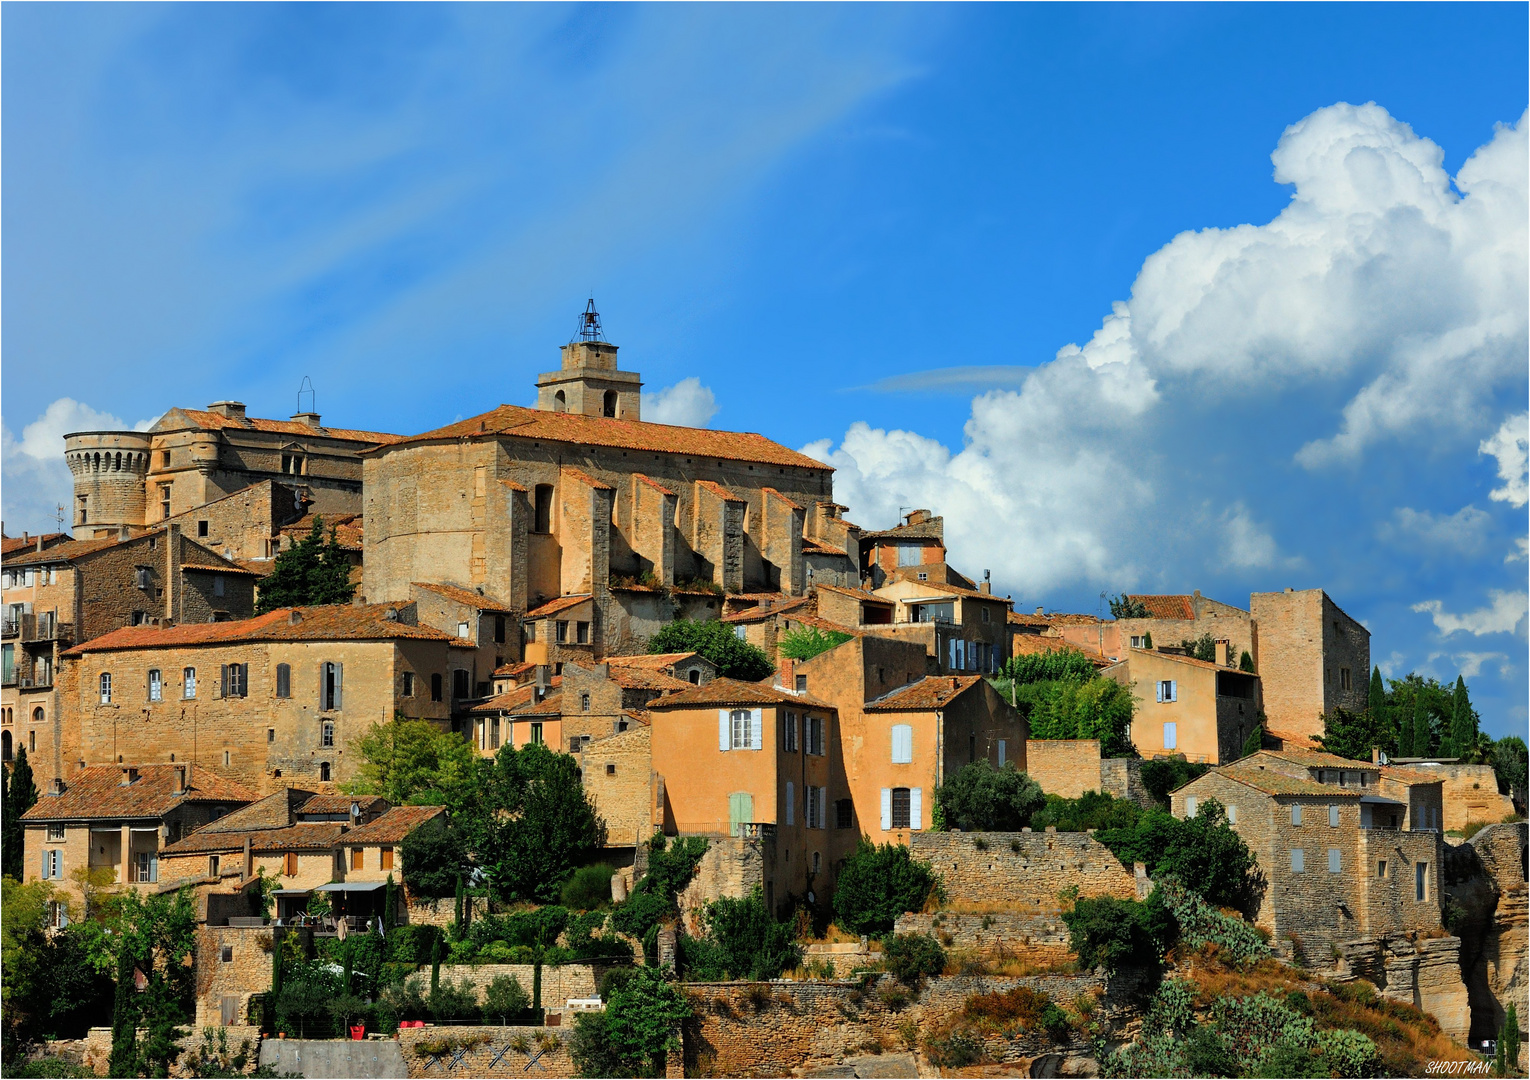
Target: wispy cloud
979, 377
1502, 616
1511, 446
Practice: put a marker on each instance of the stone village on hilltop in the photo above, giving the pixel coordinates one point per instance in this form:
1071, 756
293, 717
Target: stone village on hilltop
509, 570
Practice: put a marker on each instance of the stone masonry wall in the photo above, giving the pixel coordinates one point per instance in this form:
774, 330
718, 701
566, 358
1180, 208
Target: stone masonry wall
559, 983
1122, 778
1024, 870
1039, 939
490, 1051
733, 866
1065, 767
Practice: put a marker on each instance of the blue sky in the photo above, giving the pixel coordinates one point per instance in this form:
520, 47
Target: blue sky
1140, 297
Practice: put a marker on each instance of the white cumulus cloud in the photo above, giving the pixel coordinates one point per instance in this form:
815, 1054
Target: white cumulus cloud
1501, 616
687, 404
1511, 446
37, 482
1385, 286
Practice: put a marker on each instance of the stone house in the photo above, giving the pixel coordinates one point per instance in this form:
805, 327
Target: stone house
1172, 619
192, 457
688, 667
74, 591
527, 713
559, 631
246, 525
961, 629
119, 819
1335, 868
265, 700
1188, 707
1312, 659
901, 731
916, 544
485, 623
750, 760
1025, 643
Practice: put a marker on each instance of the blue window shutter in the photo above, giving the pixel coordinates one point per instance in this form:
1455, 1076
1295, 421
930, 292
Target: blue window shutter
754, 729
791, 798
886, 808
724, 730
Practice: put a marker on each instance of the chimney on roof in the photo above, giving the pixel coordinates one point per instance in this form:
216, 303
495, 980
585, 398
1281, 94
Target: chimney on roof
294, 617
124, 533
391, 614
765, 605
1224, 654
987, 585
1375, 755
58, 785
129, 775
229, 410
180, 780
309, 418
1039, 611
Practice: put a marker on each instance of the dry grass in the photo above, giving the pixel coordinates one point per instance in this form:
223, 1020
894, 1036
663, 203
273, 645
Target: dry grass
1405, 1037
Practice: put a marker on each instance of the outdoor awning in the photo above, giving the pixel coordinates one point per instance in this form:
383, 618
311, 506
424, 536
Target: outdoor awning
351, 886
291, 892
1377, 800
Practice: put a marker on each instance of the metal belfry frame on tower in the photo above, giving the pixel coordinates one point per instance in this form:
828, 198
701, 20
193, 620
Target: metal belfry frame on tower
589, 325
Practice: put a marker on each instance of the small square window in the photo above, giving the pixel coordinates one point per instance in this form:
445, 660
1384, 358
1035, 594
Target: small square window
202, 527
1381, 868
226, 954
55, 833
611, 768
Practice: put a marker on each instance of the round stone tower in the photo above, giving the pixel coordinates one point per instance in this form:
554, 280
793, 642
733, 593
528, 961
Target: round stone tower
110, 487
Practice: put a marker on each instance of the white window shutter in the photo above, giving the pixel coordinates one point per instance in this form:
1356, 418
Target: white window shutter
724, 730
791, 802
902, 744
1173, 690
915, 808
886, 808
1170, 736
1190, 801
754, 729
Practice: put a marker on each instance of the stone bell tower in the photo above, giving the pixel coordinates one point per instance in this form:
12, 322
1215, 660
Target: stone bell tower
589, 381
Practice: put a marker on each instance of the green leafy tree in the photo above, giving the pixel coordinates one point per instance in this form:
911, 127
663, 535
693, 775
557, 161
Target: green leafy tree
589, 888
877, 884
434, 856
539, 823
980, 798
1246, 662
670, 869
1126, 607
1064, 664
1511, 761
1378, 696
1354, 734
1107, 932
912, 958
1091, 810
745, 941
415, 762
315, 570
1203, 648
1160, 776
505, 999
638, 1028
1066, 709
20, 796
157, 936
806, 642
735, 658
1203, 852
1419, 730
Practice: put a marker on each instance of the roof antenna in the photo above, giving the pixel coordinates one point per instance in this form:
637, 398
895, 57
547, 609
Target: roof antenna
306, 387
589, 325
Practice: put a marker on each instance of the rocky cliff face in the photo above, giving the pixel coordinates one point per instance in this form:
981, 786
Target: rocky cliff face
1485, 888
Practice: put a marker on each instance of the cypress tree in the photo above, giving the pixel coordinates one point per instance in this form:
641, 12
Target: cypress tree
1405, 713
1246, 662
1147, 640
124, 1057
20, 796
349, 969
457, 924
435, 963
390, 906
1508, 1042
1463, 722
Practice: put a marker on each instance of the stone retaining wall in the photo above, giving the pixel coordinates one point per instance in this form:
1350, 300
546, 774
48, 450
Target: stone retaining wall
1023, 871
1020, 935
489, 1051
558, 983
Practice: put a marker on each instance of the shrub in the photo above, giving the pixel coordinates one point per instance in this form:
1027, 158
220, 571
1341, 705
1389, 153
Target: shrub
413, 944
453, 1001
1094, 708
953, 1050
505, 998
749, 943
1163, 775
980, 798
589, 888
1200, 924
1110, 933
1091, 810
670, 868
434, 855
913, 957
806, 642
1021, 1006
877, 884
734, 657
636, 1030
1202, 852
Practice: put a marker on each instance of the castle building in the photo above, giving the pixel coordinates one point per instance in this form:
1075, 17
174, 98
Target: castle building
191, 457
580, 497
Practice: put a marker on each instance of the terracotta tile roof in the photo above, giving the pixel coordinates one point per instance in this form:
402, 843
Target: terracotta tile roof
818, 622
640, 715
304, 836
760, 613
1062, 618
258, 567
651, 482
717, 489
1036, 644
657, 661
586, 479
930, 692
512, 699
551, 705
219, 569
773, 493
341, 804
1192, 661
1166, 607
98, 792
10, 545
334, 622
510, 671
513, 486
65, 552
581, 430
722, 691
1315, 759
552, 607
466, 597
393, 826
1020, 618
216, 422
275, 811
348, 529
642, 678
1408, 776
859, 594
933, 529
1277, 783
815, 547
1296, 740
